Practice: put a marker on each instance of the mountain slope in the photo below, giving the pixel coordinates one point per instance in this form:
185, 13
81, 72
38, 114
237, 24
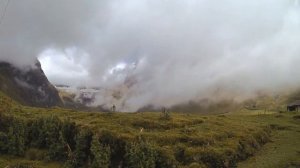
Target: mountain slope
30, 87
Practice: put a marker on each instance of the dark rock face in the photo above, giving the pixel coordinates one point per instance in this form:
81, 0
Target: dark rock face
29, 87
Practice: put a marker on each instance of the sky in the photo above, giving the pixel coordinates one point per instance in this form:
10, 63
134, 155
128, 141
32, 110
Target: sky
174, 50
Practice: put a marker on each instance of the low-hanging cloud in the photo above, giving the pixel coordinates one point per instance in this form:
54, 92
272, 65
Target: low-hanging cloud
176, 50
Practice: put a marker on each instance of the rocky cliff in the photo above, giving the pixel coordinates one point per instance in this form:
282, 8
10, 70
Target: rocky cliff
28, 86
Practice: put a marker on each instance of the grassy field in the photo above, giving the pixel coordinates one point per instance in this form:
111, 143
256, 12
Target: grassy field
253, 138
284, 148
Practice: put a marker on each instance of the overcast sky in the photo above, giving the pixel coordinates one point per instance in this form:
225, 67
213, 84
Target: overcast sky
176, 50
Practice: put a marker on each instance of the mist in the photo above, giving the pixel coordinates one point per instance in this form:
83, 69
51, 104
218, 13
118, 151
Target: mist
158, 52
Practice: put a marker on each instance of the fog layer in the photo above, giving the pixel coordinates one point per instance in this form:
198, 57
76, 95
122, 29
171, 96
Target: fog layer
160, 52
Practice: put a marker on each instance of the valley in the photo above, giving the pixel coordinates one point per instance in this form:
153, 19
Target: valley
149, 84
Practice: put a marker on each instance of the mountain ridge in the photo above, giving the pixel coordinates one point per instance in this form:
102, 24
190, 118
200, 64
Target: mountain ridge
28, 86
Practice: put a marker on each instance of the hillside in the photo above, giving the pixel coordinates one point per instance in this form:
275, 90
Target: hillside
173, 140
29, 87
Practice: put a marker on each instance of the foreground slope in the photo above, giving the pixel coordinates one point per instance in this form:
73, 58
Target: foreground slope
178, 140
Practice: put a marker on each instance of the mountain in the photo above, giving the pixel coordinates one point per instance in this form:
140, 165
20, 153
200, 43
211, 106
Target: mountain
28, 86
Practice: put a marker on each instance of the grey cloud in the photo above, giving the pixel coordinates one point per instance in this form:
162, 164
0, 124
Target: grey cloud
189, 49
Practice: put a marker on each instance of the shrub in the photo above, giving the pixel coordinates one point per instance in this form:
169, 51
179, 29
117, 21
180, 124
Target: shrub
16, 138
35, 154
179, 152
150, 124
212, 158
296, 117
165, 158
36, 134
69, 132
21, 165
44, 132
3, 143
245, 148
165, 115
100, 154
196, 165
140, 155
52, 128
58, 150
5, 122
83, 145
117, 146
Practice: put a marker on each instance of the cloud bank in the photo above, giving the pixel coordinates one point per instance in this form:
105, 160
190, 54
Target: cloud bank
173, 50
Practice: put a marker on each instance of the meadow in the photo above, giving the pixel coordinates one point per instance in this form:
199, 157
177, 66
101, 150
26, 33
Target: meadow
241, 138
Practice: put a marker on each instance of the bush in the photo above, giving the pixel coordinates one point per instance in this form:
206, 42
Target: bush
296, 117
44, 132
69, 132
166, 158
140, 155
245, 149
5, 122
165, 115
52, 127
21, 165
83, 145
196, 165
100, 154
16, 138
58, 151
179, 152
3, 143
35, 154
53, 134
150, 124
212, 159
117, 146
36, 134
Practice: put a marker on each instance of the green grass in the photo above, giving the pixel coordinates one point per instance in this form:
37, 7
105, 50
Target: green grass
6, 161
193, 139
284, 148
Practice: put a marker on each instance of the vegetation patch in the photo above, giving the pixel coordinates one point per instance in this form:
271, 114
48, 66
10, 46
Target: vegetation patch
296, 117
279, 127
21, 165
80, 139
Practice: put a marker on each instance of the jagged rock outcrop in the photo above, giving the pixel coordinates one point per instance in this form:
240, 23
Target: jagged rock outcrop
29, 87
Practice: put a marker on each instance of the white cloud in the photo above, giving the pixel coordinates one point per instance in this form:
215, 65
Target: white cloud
183, 49
62, 68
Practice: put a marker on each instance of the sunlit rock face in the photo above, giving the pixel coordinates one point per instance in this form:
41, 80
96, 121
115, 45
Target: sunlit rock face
29, 86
